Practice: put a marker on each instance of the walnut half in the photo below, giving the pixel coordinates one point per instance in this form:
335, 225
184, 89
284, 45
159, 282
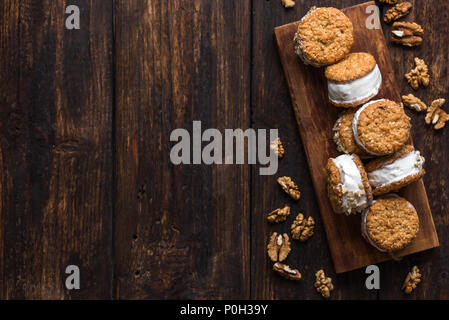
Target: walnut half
277, 147
412, 280
278, 247
290, 187
435, 115
407, 33
419, 75
302, 229
413, 102
323, 284
279, 215
288, 3
397, 12
286, 271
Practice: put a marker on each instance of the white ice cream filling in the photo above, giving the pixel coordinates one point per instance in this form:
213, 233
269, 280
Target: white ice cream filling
355, 123
354, 195
408, 165
356, 90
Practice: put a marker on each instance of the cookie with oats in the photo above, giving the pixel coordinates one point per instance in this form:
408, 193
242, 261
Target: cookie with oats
390, 223
324, 36
381, 127
344, 136
394, 172
354, 80
348, 187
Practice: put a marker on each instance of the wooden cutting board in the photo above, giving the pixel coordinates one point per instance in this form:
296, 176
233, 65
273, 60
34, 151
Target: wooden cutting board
316, 117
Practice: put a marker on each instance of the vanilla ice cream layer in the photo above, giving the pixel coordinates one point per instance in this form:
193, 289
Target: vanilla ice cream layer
354, 195
355, 123
356, 90
410, 164
365, 232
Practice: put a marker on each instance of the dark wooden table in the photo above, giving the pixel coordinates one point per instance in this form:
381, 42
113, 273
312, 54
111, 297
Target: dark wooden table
85, 172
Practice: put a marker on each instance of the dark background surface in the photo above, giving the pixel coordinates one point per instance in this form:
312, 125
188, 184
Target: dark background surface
85, 174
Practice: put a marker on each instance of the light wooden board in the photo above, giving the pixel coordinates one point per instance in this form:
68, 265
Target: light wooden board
316, 117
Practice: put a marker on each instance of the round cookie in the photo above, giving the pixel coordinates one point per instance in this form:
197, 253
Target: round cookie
324, 36
348, 187
344, 136
354, 80
390, 223
393, 172
381, 127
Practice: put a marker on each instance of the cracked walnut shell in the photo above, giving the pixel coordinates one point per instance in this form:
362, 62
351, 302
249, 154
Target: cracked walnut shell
277, 147
279, 215
397, 12
278, 247
290, 187
323, 284
407, 33
413, 102
419, 75
302, 229
389, 1
412, 280
286, 271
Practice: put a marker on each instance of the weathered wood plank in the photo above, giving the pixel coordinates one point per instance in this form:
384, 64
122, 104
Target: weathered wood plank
180, 231
271, 108
56, 157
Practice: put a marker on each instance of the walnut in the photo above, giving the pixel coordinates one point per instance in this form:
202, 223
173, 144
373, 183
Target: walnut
278, 247
413, 102
286, 271
397, 12
435, 115
302, 229
407, 33
279, 215
412, 280
323, 284
288, 3
290, 187
419, 75
276, 146
389, 1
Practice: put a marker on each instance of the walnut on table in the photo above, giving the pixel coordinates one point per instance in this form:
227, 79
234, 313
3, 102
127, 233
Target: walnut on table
397, 12
419, 75
302, 229
278, 247
412, 280
413, 102
286, 271
290, 187
279, 215
407, 33
288, 3
435, 115
277, 147
323, 284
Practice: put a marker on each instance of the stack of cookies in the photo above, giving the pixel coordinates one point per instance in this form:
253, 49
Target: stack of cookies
373, 131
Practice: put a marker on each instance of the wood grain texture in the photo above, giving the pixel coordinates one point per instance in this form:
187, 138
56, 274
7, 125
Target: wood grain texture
348, 249
55, 150
180, 231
